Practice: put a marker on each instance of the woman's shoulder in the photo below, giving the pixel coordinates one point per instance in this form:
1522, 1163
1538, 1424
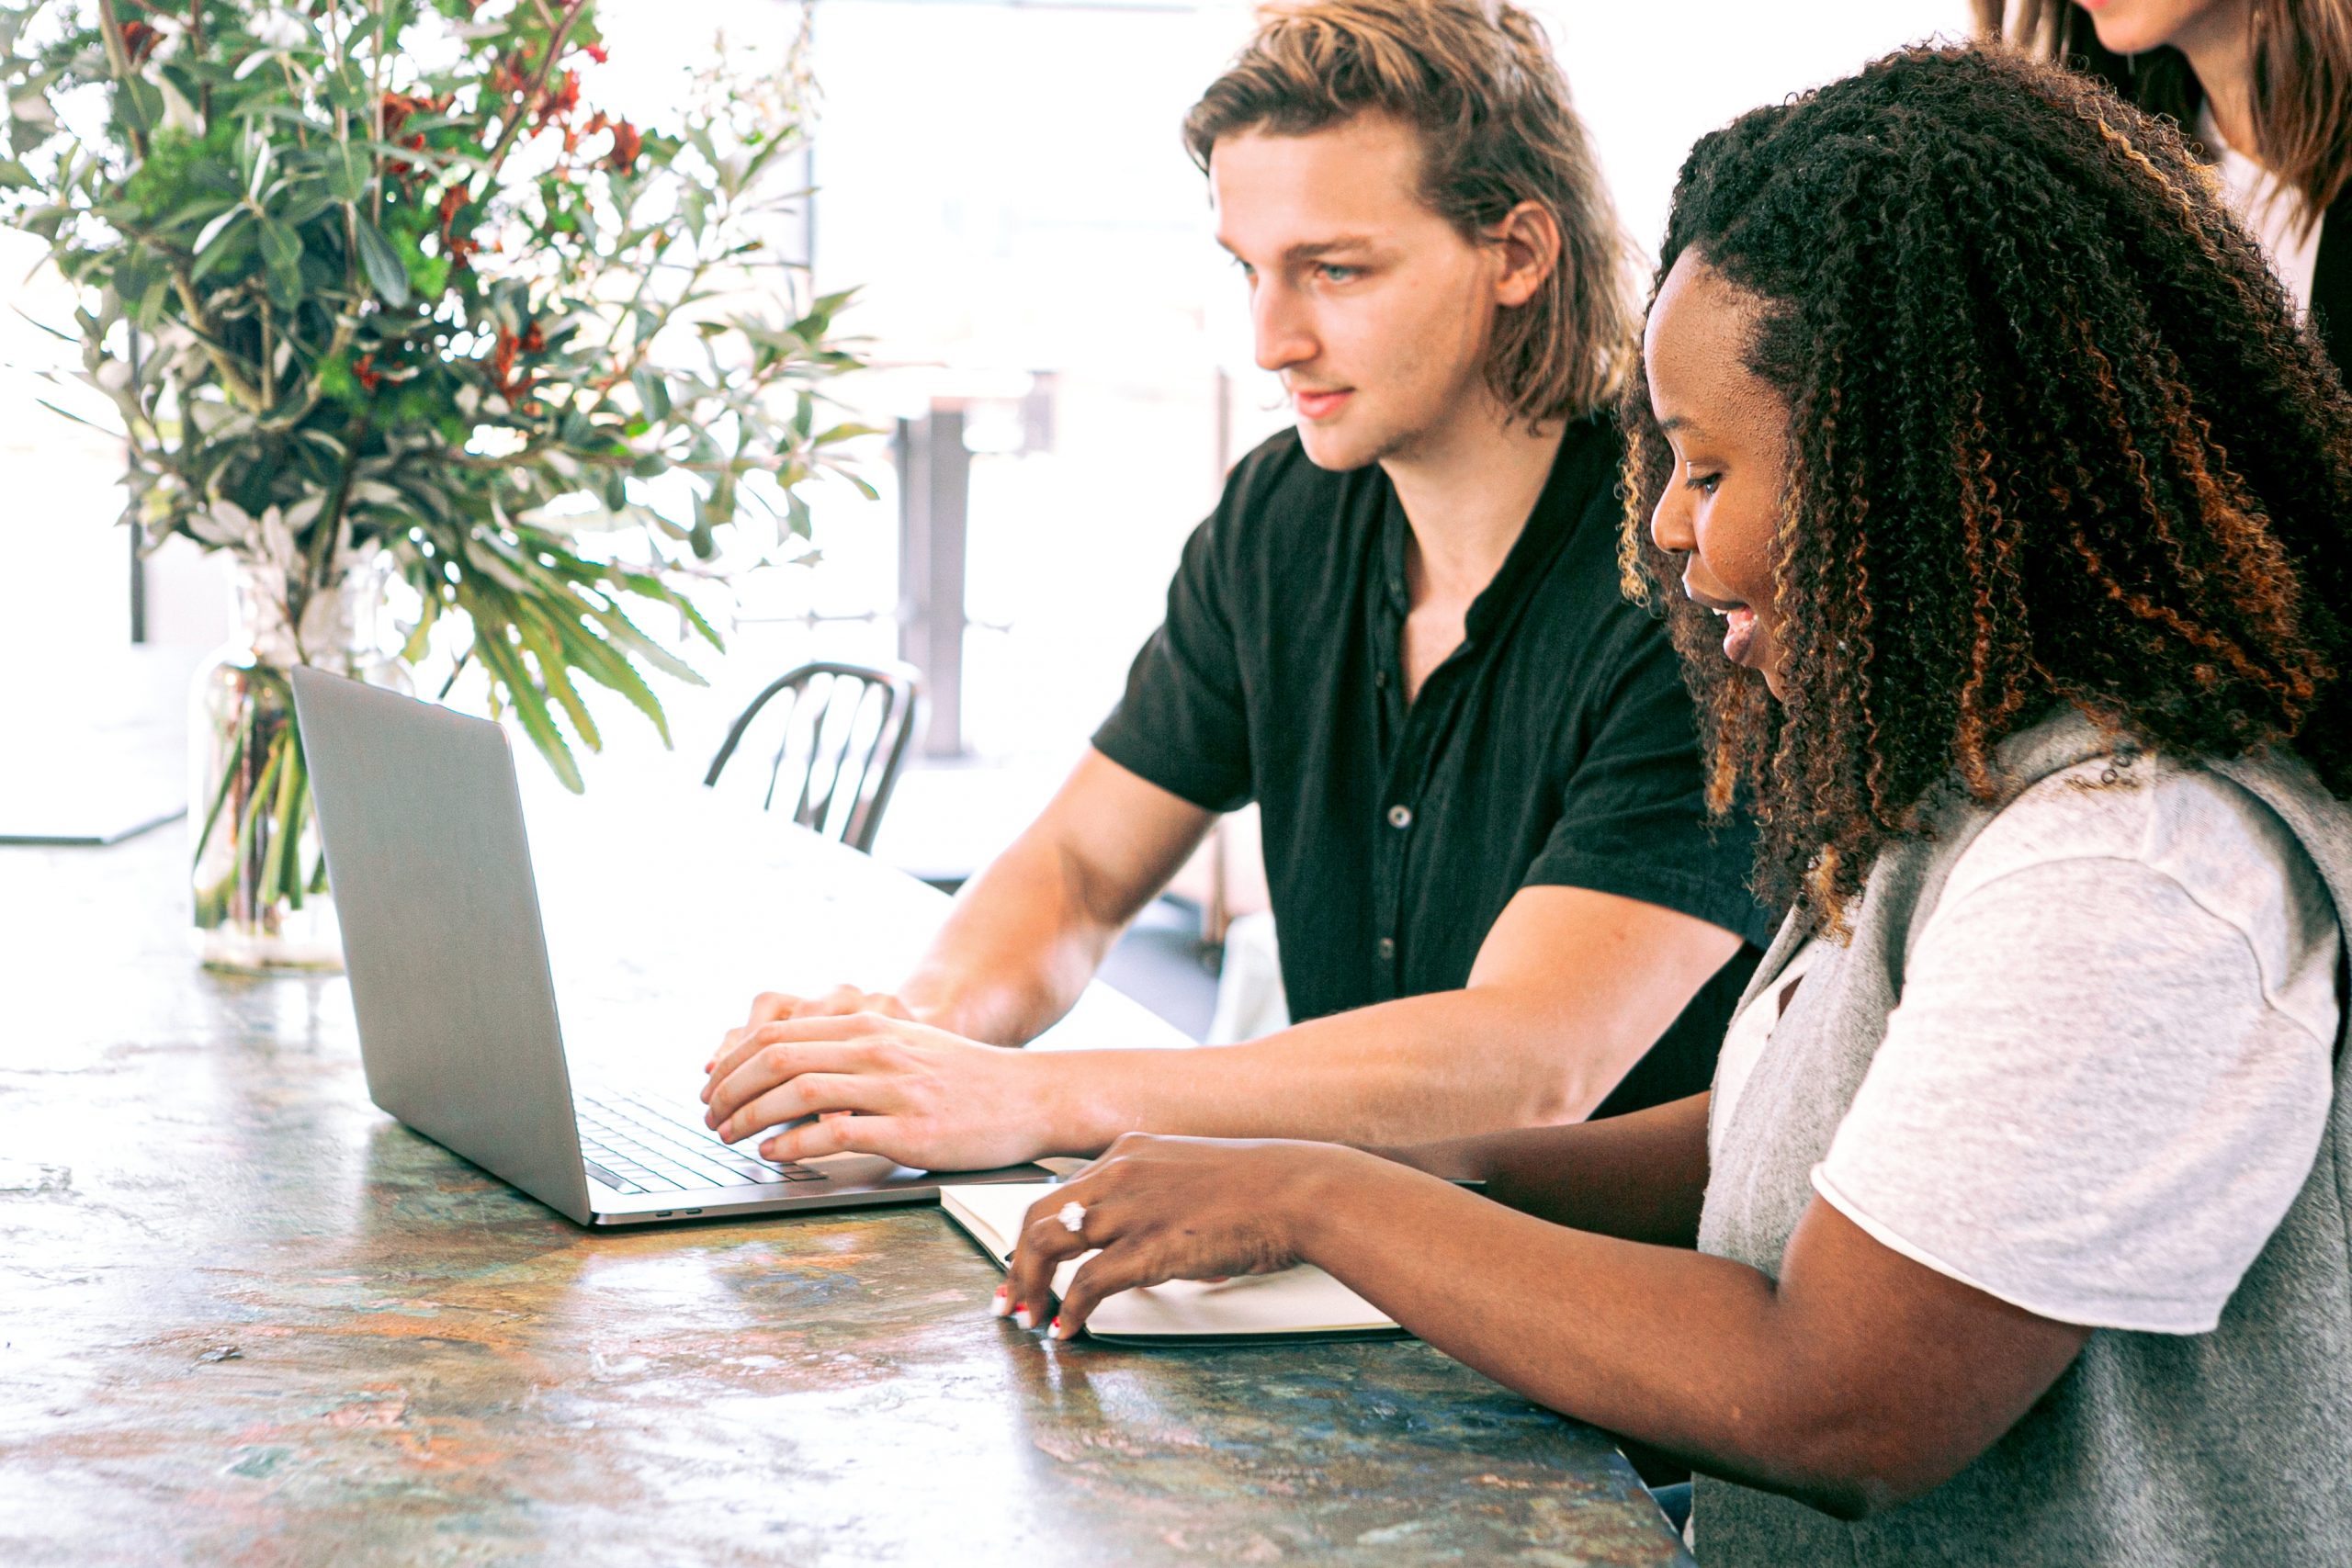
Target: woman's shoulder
2129, 825
2172, 815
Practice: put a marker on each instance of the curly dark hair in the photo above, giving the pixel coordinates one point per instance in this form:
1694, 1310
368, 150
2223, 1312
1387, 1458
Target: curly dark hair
2056, 437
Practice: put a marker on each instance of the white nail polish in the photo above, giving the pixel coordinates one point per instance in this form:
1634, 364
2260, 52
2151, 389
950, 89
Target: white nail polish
1024, 1318
1002, 1306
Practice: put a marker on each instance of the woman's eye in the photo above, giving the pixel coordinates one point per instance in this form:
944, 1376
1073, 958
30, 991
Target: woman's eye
1704, 483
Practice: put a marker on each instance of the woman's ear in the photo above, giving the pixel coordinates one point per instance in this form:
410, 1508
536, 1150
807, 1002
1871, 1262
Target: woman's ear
1527, 238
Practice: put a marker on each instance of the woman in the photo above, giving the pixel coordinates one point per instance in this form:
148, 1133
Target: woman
2265, 86
2007, 496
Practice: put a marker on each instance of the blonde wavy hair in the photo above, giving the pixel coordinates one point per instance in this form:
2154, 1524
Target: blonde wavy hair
1476, 80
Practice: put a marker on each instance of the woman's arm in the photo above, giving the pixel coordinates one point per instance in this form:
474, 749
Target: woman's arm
1856, 1380
1640, 1176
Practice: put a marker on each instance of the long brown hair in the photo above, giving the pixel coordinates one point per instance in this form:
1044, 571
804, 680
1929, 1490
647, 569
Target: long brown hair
2302, 81
2055, 441
1476, 80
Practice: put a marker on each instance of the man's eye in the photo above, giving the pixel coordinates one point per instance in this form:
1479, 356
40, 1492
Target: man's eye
1333, 273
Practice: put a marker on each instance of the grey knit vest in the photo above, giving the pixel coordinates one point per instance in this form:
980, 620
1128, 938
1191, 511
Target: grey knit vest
2233, 1447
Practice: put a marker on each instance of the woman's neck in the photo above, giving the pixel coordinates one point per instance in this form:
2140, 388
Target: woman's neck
2219, 48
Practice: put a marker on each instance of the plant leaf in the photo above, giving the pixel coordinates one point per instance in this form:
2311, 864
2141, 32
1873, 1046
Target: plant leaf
385, 273
491, 647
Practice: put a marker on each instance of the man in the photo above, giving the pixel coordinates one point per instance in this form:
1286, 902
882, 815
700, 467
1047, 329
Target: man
1401, 634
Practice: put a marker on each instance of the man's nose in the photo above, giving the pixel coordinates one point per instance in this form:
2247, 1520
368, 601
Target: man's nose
1282, 339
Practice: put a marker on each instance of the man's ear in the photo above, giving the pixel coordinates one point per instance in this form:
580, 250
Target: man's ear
1528, 240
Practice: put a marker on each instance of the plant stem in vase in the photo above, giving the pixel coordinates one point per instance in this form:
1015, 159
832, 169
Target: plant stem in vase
259, 869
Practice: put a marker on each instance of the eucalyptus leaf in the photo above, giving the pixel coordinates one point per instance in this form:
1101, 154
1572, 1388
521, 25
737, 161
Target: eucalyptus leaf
220, 226
386, 275
653, 393
268, 223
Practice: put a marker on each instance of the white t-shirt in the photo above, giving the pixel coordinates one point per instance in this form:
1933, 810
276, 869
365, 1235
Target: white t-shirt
2113, 1059
2269, 209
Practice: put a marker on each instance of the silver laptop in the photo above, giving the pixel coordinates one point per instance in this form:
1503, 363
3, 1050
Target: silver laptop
450, 979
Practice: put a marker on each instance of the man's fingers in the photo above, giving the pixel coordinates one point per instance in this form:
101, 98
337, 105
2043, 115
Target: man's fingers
807, 1094
766, 1008
854, 1134
769, 1006
838, 1002
778, 1006
772, 1063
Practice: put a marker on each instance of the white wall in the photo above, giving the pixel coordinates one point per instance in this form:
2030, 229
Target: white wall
1007, 184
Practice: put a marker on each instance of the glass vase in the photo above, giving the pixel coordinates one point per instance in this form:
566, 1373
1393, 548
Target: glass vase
262, 904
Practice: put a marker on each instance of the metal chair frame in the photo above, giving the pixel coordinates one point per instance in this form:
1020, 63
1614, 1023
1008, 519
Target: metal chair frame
875, 771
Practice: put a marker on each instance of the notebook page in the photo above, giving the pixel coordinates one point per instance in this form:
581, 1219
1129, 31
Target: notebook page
1298, 1300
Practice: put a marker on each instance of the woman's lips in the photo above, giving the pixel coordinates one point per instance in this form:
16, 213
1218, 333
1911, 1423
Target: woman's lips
1320, 405
1739, 633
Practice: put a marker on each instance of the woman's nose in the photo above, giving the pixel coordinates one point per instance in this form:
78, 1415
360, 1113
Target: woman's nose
1670, 524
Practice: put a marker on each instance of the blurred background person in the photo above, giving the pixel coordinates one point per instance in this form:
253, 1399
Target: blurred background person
2264, 87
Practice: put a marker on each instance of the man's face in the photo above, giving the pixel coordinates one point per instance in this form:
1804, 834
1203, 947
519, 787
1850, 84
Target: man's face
1373, 308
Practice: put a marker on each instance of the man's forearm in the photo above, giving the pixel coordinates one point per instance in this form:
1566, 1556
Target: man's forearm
1446, 1064
1016, 951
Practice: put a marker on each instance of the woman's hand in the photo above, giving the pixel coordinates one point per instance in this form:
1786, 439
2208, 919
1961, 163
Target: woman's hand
1161, 1209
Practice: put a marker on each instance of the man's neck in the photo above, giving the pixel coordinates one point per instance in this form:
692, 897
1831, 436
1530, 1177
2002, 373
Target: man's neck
1467, 492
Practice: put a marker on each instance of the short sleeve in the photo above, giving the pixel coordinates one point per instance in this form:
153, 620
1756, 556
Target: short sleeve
1183, 723
2087, 1105
1633, 814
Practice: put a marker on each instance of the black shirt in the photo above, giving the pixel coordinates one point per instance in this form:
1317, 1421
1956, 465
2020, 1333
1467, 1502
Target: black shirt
1555, 747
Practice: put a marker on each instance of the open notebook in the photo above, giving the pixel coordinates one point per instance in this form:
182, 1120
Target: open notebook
1297, 1304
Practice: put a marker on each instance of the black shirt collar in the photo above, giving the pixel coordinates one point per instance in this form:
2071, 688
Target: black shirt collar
1586, 446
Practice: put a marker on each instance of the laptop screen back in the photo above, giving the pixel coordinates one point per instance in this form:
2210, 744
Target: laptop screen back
441, 936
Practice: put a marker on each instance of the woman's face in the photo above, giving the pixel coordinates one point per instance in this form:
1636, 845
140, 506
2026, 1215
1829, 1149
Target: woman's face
1728, 430
2130, 27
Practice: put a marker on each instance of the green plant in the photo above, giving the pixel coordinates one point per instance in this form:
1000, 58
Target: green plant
371, 275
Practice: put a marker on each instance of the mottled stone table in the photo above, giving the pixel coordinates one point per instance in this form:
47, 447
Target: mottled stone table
249, 1319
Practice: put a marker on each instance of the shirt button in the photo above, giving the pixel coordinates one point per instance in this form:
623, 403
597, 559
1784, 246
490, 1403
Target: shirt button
1400, 817
1379, 679
1388, 948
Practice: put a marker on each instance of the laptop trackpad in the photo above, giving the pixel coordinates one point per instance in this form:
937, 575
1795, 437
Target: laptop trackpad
870, 1172
864, 1170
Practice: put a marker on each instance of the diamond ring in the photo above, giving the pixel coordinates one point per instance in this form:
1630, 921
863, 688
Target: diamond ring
1072, 1217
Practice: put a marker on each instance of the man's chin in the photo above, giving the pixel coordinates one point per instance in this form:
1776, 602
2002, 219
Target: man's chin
1337, 450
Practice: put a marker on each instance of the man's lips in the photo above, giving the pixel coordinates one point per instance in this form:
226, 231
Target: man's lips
1320, 405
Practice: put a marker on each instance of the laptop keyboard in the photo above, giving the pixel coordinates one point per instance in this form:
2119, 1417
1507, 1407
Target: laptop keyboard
634, 1144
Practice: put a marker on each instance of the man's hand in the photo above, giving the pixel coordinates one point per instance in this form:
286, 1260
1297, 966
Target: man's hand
1162, 1209
776, 1006
880, 1085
